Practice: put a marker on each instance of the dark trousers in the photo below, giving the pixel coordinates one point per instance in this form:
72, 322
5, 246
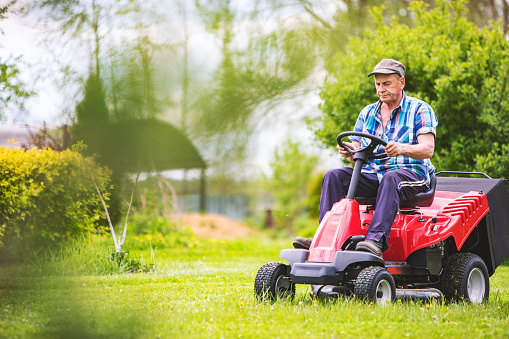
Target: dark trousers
395, 186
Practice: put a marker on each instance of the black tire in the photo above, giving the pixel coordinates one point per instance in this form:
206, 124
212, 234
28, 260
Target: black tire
271, 283
375, 284
465, 277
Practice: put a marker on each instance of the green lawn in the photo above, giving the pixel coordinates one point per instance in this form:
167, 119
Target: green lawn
207, 292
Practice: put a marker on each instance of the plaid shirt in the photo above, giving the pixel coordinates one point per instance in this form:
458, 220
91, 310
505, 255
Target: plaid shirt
411, 118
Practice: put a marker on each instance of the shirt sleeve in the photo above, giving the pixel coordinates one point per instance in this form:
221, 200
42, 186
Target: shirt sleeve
425, 120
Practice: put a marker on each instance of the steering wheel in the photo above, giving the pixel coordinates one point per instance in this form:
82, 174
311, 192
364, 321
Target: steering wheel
368, 149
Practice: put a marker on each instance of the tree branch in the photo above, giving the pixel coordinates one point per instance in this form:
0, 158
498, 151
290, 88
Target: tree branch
104, 205
305, 5
129, 210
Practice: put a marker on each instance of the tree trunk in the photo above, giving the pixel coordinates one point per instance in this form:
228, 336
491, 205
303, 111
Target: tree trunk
505, 14
95, 27
493, 10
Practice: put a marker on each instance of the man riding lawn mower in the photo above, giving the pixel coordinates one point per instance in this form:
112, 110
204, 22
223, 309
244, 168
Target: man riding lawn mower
437, 235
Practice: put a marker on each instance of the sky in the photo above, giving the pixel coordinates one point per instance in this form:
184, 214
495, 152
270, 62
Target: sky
21, 39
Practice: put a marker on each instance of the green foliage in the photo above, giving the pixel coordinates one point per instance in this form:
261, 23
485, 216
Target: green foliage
126, 263
306, 226
293, 170
152, 231
314, 193
92, 117
92, 111
79, 147
267, 68
461, 70
13, 91
92, 254
46, 197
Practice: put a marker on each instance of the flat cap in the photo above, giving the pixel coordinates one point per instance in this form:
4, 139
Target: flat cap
389, 66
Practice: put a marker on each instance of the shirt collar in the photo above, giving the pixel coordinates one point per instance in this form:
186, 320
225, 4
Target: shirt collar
403, 100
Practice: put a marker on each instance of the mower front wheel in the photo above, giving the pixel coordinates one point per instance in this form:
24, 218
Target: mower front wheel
375, 284
465, 277
273, 282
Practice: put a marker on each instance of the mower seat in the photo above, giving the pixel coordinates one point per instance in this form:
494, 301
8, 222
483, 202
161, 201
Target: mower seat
423, 199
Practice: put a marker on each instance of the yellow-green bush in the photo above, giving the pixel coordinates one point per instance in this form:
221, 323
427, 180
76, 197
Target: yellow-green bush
46, 197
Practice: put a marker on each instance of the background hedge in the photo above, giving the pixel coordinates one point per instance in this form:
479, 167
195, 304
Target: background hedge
46, 197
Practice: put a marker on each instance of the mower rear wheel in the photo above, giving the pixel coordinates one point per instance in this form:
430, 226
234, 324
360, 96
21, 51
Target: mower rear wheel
375, 284
465, 277
272, 282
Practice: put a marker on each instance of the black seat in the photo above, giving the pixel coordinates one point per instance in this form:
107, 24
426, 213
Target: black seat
423, 199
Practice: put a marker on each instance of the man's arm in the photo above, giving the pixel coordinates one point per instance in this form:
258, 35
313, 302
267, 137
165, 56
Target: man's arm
423, 150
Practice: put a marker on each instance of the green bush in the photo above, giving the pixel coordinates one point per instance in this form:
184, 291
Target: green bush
306, 227
462, 71
152, 231
292, 172
314, 193
47, 197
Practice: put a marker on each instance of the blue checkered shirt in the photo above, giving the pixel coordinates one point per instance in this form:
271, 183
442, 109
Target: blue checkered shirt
411, 118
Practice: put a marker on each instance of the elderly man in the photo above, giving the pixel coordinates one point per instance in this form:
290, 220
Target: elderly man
408, 125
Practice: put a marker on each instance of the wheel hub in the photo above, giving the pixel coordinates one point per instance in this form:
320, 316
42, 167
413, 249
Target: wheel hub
476, 285
383, 292
283, 286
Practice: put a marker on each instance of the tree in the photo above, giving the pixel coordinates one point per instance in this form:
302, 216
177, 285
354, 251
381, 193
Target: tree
255, 75
82, 36
292, 172
85, 24
92, 116
461, 70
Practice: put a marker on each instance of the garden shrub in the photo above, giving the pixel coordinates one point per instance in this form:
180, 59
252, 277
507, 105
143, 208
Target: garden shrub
47, 197
152, 231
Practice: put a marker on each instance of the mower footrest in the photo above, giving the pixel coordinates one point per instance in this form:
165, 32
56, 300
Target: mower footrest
315, 273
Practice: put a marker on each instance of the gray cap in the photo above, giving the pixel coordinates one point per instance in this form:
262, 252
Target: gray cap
389, 66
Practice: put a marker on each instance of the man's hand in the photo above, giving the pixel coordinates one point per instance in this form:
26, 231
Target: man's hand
344, 153
393, 149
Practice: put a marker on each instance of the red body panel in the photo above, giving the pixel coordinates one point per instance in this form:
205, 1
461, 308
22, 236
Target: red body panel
457, 214
339, 224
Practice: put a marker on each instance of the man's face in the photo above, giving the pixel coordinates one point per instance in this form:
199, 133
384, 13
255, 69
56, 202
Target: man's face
389, 87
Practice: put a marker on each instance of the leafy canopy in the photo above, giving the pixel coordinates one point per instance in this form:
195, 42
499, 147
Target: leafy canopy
461, 70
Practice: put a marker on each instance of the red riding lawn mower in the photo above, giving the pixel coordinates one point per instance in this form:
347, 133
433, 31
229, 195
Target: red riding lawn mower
444, 242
